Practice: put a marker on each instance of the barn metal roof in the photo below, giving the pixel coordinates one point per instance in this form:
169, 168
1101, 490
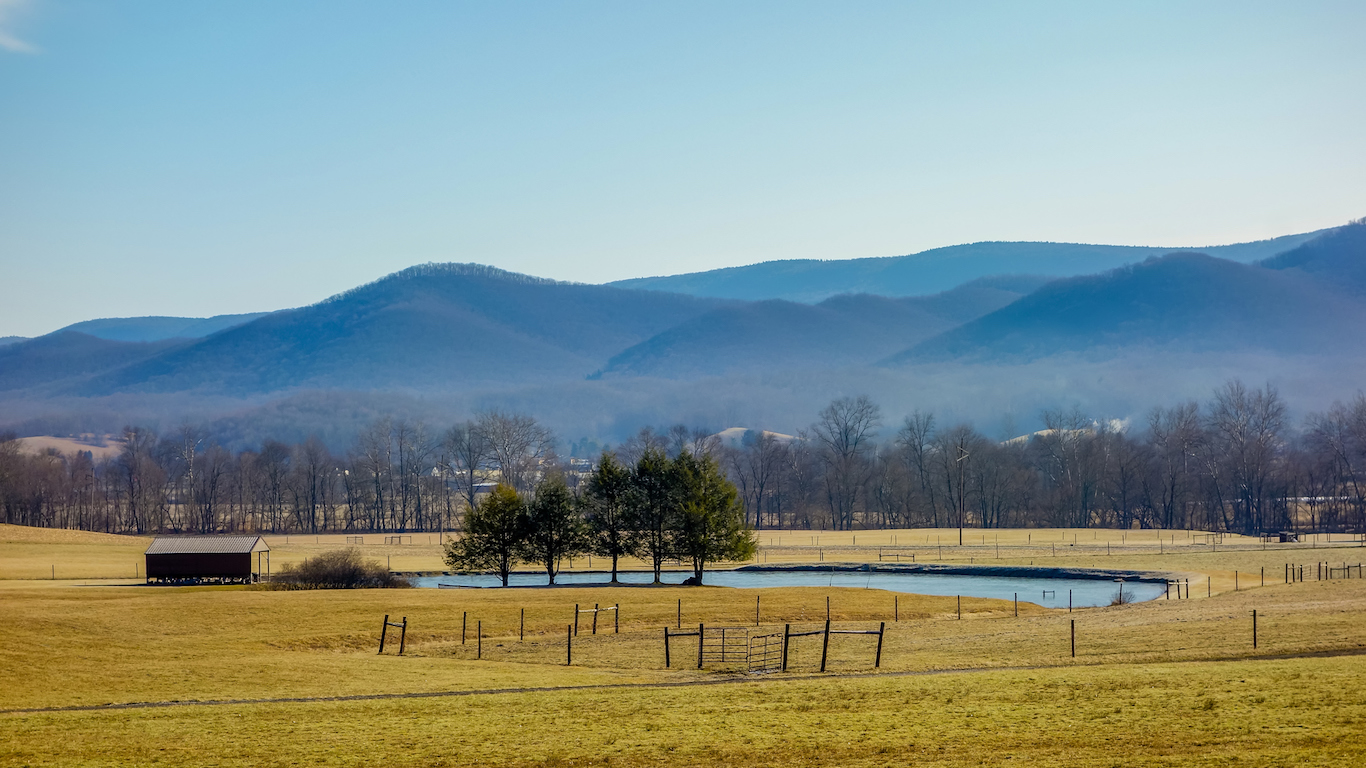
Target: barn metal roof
206, 545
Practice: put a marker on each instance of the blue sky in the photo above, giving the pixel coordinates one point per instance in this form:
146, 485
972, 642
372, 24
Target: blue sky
211, 157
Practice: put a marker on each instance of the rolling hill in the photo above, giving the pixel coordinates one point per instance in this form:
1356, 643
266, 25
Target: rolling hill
1186, 301
928, 272
1338, 258
159, 328
843, 331
430, 327
68, 355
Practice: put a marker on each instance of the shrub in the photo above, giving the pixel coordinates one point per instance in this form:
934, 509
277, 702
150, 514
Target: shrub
1122, 598
339, 569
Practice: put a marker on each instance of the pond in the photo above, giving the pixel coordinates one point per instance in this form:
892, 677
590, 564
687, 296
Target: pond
1045, 591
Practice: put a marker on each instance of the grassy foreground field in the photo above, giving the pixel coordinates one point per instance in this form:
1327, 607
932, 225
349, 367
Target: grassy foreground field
1169, 682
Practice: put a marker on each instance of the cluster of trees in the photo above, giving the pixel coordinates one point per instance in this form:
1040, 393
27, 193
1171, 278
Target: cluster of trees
1235, 463
661, 508
1231, 465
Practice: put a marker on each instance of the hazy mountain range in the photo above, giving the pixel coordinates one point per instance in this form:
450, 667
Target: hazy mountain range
977, 330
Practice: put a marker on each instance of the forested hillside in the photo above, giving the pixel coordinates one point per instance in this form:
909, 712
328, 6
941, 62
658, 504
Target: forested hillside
159, 328
918, 274
848, 330
427, 327
1185, 301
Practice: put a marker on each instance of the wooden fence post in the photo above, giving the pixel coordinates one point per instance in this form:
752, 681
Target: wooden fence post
576, 618
382, 632
616, 619
1074, 638
521, 628
881, 630
825, 644
1254, 629
787, 632
680, 613
464, 621
402, 635
756, 610
666, 647
568, 645
896, 608
960, 607
699, 645
479, 639
1017, 605
595, 618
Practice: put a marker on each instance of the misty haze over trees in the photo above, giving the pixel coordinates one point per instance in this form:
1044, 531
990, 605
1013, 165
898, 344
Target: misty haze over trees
1235, 462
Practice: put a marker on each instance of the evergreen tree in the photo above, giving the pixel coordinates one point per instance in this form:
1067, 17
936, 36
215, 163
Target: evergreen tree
654, 507
607, 507
495, 535
555, 529
711, 521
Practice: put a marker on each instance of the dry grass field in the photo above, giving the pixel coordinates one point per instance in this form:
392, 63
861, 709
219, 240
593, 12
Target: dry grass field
1169, 682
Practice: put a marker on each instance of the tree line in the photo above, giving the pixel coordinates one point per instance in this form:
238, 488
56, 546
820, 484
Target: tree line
1234, 463
661, 508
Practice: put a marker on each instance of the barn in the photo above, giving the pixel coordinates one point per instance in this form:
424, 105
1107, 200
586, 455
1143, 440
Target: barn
199, 559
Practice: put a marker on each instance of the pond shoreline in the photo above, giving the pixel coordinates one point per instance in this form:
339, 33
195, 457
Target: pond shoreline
939, 569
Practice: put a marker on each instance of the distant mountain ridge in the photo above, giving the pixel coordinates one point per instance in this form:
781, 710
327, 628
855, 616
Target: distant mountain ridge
429, 326
449, 339
1190, 300
159, 328
846, 330
928, 272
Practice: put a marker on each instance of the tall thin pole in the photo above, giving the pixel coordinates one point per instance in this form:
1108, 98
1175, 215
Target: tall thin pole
825, 644
1074, 638
881, 630
1254, 629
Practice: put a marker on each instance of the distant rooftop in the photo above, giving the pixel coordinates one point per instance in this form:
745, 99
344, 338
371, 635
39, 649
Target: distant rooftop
201, 545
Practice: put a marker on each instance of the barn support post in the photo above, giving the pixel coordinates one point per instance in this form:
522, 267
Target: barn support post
383, 630
825, 643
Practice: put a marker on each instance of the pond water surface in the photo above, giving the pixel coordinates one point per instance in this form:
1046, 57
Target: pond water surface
1047, 592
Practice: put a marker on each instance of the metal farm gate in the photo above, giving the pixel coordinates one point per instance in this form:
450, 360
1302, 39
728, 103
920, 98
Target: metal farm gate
725, 645
766, 652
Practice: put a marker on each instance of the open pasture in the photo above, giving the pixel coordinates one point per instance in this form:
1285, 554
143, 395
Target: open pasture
1169, 682
40, 553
